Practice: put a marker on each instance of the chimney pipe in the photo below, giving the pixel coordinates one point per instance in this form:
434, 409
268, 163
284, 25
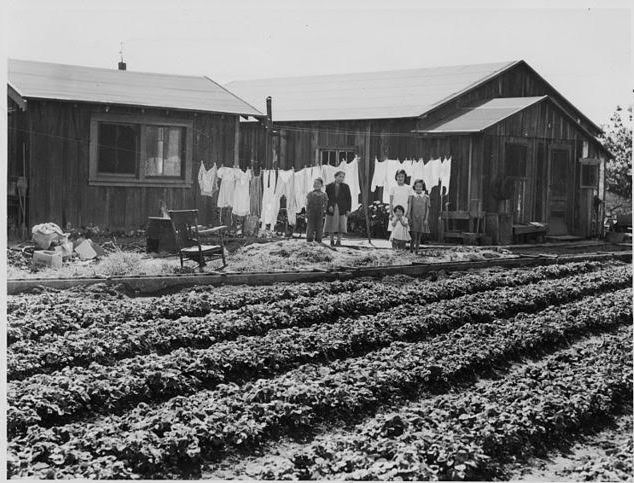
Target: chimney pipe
122, 65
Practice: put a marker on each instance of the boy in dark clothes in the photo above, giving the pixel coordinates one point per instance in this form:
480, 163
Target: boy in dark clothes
316, 202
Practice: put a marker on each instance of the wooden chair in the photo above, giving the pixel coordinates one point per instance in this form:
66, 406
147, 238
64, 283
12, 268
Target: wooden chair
449, 218
185, 225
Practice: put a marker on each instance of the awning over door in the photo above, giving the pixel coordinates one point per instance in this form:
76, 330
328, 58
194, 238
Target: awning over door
477, 118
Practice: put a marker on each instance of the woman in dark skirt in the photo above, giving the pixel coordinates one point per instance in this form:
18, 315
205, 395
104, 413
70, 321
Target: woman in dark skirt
339, 204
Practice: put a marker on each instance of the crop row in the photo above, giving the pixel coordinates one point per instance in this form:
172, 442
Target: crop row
49, 399
34, 316
107, 343
467, 435
181, 433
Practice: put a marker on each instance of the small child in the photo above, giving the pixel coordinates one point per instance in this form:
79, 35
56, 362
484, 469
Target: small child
400, 229
418, 214
316, 202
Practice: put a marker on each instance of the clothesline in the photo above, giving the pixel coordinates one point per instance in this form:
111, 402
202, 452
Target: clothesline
248, 194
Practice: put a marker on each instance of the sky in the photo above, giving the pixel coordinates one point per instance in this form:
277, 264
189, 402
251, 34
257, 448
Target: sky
585, 52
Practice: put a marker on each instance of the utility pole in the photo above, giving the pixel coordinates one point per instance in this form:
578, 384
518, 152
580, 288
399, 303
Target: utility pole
269, 133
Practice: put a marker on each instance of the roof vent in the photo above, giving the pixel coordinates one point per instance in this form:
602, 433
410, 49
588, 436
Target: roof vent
122, 65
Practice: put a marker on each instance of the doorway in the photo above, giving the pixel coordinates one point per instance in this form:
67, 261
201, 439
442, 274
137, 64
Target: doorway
558, 204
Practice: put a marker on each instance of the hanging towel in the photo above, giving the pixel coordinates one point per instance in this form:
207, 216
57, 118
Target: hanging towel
299, 188
227, 186
286, 188
435, 171
379, 176
352, 180
446, 173
255, 194
418, 171
269, 208
241, 196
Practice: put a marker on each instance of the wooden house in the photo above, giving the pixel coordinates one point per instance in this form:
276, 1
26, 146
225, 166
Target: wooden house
521, 153
107, 146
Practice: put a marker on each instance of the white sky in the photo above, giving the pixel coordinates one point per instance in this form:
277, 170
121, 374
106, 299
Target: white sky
584, 52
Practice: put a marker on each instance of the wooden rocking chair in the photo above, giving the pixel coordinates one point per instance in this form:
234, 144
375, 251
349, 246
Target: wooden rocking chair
185, 225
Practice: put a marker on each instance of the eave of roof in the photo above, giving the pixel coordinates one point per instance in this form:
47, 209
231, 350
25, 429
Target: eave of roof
481, 116
61, 82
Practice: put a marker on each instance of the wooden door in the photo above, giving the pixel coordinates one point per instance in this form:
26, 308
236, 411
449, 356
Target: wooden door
558, 193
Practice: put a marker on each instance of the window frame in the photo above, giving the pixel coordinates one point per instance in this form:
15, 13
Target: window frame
596, 163
337, 151
140, 178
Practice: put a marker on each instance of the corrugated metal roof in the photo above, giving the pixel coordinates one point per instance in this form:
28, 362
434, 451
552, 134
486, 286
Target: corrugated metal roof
371, 95
111, 86
481, 116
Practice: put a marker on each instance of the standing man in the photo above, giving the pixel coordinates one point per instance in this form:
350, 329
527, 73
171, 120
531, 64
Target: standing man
339, 204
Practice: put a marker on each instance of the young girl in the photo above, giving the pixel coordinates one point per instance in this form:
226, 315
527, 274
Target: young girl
400, 228
418, 214
399, 195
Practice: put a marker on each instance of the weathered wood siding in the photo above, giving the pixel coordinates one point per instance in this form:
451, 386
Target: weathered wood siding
541, 128
59, 160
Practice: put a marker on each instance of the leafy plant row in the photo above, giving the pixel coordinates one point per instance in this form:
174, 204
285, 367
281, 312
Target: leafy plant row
181, 433
73, 392
107, 343
35, 316
468, 435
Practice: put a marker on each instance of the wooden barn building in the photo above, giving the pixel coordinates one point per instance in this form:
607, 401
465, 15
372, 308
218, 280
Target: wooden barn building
522, 155
107, 146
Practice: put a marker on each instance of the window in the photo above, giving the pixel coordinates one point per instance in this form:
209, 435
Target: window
140, 150
118, 148
164, 150
590, 173
334, 157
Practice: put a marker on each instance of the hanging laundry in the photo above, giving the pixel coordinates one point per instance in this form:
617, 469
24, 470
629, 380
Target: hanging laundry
418, 171
255, 194
445, 173
434, 167
352, 180
312, 174
408, 166
328, 173
299, 188
227, 186
241, 195
285, 187
269, 207
207, 180
393, 165
427, 175
379, 176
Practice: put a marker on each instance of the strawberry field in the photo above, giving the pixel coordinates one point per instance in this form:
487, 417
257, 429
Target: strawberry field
400, 378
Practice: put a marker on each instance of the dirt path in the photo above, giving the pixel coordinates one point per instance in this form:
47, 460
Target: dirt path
604, 456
